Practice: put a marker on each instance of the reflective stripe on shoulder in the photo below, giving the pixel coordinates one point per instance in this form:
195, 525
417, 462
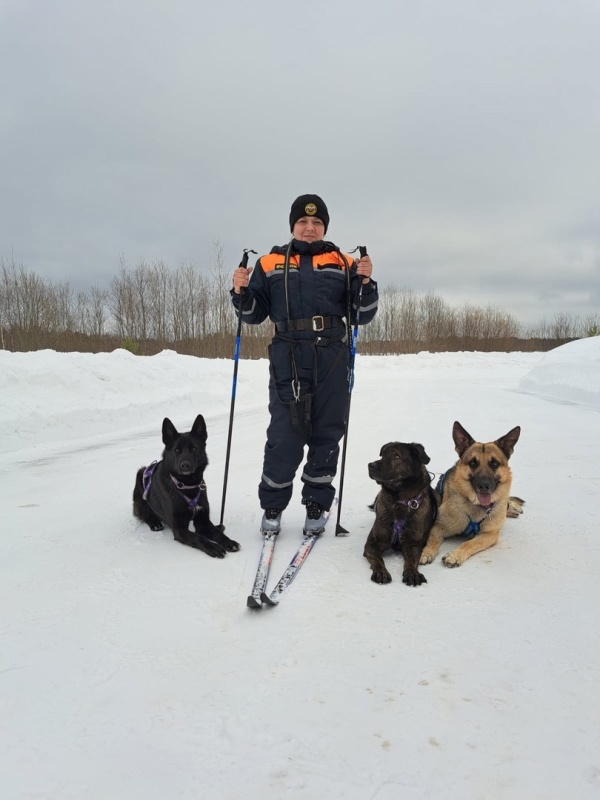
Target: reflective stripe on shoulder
276, 261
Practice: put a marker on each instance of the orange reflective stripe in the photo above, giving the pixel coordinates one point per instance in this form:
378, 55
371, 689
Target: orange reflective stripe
274, 261
277, 261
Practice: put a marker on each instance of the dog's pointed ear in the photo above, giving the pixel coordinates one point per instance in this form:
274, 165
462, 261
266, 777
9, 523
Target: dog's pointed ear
462, 439
507, 442
423, 457
199, 427
169, 431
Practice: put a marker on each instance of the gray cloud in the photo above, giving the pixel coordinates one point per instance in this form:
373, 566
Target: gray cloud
457, 140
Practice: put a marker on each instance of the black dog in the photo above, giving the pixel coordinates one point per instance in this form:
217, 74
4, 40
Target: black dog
173, 491
405, 510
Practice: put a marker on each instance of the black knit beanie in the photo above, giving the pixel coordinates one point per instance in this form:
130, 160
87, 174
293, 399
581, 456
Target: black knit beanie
309, 205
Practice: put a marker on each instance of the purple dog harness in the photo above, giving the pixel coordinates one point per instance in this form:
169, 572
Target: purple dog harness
398, 526
191, 502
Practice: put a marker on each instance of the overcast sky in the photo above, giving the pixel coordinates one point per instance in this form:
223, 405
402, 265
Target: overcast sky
458, 139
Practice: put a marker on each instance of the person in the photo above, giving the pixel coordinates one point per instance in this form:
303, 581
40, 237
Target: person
307, 288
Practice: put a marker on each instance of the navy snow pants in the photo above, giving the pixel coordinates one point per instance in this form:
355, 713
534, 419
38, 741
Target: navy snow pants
284, 449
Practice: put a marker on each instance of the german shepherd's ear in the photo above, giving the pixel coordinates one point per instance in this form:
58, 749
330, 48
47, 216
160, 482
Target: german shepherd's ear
169, 431
423, 457
199, 427
462, 439
507, 443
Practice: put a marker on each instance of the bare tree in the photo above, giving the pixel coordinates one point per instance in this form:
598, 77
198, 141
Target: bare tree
222, 308
97, 311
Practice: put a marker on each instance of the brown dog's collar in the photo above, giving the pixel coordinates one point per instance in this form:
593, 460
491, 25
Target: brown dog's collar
398, 524
414, 502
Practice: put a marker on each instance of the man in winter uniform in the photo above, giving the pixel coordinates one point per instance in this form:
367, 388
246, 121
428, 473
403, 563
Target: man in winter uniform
307, 288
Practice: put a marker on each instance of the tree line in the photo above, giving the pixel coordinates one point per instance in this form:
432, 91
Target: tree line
150, 307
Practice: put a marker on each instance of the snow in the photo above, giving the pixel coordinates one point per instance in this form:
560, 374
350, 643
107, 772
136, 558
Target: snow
131, 669
571, 372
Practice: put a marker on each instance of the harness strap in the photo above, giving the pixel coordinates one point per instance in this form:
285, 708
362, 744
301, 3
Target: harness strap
398, 524
473, 528
440, 484
192, 502
147, 478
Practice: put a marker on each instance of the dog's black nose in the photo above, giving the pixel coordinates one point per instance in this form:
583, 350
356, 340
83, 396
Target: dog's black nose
484, 485
185, 465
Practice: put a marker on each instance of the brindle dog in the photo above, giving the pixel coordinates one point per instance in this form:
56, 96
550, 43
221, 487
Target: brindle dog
405, 510
475, 496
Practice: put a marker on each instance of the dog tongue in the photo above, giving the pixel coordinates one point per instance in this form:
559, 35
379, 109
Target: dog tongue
485, 499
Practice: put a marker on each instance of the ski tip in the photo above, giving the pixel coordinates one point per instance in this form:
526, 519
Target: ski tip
253, 602
268, 600
340, 530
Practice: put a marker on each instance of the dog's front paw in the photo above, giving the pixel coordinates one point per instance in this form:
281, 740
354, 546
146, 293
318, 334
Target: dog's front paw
231, 546
515, 507
412, 577
213, 549
156, 526
427, 557
453, 559
381, 576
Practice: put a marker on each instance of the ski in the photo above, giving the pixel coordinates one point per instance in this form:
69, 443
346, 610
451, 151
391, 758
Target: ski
262, 571
291, 570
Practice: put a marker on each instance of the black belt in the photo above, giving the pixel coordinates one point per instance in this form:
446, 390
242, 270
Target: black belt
317, 324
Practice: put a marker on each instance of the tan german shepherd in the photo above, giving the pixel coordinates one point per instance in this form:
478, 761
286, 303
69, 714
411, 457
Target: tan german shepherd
475, 497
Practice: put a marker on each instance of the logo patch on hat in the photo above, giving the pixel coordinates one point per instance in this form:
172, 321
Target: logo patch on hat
310, 209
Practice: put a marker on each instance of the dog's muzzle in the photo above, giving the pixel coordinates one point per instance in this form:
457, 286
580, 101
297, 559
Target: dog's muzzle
373, 468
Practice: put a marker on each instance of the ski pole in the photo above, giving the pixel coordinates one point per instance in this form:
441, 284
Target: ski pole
236, 358
339, 529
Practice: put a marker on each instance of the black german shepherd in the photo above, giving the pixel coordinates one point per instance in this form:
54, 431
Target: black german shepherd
173, 492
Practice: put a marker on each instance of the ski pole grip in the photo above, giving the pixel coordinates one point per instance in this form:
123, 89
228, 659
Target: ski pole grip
245, 257
362, 250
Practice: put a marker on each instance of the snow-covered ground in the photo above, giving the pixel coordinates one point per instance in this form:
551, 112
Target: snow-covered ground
131, 669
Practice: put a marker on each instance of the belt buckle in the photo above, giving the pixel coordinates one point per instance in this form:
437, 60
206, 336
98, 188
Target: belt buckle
315, 323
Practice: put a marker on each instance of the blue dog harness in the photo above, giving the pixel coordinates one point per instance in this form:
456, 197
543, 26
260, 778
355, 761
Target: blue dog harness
473, 528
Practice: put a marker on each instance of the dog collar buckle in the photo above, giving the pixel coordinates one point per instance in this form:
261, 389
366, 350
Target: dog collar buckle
413, 503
